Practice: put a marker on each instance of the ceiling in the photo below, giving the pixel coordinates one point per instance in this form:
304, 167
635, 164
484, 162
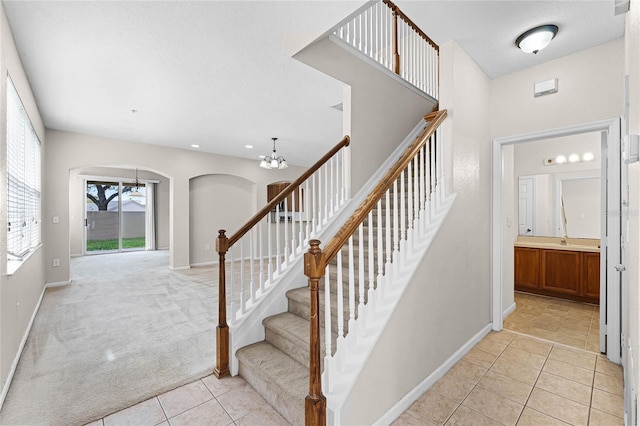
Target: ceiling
219, 74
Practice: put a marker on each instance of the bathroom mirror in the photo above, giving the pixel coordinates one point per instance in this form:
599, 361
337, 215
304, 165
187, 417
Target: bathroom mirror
541, 199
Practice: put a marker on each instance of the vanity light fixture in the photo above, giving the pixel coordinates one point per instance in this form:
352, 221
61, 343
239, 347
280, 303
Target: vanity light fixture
536, 39
573, 158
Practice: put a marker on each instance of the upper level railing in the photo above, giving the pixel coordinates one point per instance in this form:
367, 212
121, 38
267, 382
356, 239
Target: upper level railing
273, 238
361, 263
385, 34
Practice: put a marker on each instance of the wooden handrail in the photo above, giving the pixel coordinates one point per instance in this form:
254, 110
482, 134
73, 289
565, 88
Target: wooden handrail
409, 22
286, 192
351, 225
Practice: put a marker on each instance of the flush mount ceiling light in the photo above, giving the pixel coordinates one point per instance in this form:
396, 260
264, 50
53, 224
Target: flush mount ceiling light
274, 161
536, 39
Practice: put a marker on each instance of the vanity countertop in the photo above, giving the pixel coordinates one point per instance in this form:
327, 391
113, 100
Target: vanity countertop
554, 243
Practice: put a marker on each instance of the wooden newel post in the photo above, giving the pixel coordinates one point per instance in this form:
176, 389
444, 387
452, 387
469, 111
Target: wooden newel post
396, 55
222, 330
315, 405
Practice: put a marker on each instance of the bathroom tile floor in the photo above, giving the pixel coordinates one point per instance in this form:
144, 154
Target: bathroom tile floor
571, 323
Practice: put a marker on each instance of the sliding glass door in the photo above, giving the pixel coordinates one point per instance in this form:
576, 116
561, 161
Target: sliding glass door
114, 217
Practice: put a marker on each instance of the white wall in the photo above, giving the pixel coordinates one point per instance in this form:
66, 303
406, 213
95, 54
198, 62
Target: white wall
454, 276
69, 151
19, 293
208, 212
590, 89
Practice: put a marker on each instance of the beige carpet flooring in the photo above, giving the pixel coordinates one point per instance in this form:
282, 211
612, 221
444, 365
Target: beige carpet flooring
125, 330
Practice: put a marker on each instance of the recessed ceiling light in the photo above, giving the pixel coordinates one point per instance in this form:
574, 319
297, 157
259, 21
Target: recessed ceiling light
194, 145
560, 159
588, 156
536, 39
249, 146
574, 158
261, 157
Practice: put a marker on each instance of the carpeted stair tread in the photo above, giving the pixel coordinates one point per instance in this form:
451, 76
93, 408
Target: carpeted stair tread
280, 379
290, 333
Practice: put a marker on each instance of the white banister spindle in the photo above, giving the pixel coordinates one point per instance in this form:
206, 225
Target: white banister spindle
314, 203
410, 213
325, 202
327, 313
361, 281
370, 255
261, 278
243, 306
352, 283
234, 306
396, 226
416, 193
330, 200
340, 295
252, 284
269, 250
387, 225
278, 254
403, 213
293, 223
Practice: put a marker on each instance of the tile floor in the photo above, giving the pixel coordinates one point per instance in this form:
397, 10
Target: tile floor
510, 379
563, 321
209, 401
506, 379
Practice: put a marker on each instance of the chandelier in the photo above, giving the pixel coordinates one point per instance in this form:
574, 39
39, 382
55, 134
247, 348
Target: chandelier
274, 161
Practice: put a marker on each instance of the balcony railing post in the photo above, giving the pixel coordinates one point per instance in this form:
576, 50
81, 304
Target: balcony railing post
222, 330
394, 35
315, 403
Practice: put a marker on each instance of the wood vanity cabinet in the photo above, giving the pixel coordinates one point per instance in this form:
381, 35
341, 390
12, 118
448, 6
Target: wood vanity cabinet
565, 274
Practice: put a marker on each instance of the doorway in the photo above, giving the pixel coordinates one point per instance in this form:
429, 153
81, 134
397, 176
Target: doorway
115, 217
610, 313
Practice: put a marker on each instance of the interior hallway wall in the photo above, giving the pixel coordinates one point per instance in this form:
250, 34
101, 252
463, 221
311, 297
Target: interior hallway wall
590, 89
454, 276
20, 292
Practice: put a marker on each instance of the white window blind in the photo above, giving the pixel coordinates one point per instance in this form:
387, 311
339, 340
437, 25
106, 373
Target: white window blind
24, 170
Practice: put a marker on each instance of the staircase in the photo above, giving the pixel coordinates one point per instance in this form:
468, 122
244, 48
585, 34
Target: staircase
278, 367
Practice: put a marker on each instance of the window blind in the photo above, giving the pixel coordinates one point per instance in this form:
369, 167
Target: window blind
24, 177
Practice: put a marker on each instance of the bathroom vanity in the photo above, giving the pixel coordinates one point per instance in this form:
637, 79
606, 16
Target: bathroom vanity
564, 268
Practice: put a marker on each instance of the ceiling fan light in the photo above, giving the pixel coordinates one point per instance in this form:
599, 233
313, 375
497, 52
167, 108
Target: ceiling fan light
283, 164
263, 164
536, 39
274, 163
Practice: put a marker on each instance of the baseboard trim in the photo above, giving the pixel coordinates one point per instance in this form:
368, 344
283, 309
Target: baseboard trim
14, 365
179, 268
509, 310
210, 263
57, 284
402, 405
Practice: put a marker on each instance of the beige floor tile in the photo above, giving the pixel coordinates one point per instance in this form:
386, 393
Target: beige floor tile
530, 417
501, 337
505, 386
592, 346
491, 347
267, 416
465, 416
564, 387
519, 372
611, 384
409, 418
605, 366
599, 418
241, 401
543, 334
531, 345
148, 412
574, 357
523, 357
568, 371
480, 357
210, 413
581, 332
608, 403
544, 325
576, 342
558, 407
494, 406
224, 385
184, 398
434, 407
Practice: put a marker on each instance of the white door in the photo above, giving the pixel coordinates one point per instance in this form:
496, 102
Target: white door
611, 251
526, 206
